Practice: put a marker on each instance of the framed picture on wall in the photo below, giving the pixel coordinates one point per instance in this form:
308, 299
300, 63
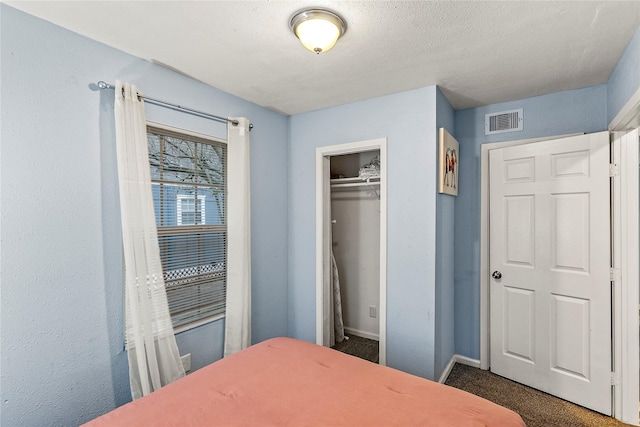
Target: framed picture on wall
449, 161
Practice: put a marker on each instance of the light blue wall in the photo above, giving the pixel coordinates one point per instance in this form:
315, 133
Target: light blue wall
445, 215
408, 121
624, 81
582, 110
62, 359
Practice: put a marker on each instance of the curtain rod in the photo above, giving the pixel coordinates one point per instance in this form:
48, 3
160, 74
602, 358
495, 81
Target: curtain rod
102, 85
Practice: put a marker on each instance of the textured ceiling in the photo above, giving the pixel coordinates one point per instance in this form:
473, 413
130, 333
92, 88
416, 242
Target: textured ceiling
478, 52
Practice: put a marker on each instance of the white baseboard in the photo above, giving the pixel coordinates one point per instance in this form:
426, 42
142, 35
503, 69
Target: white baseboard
362, 334
447, 370
464, 360
456, 358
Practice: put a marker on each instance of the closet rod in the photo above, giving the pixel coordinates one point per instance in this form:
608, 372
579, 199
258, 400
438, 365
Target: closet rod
102, 85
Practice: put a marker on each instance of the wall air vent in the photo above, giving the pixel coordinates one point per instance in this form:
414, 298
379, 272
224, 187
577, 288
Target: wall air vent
505, 121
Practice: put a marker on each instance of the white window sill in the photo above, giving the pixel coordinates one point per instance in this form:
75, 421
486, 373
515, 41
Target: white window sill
197, 324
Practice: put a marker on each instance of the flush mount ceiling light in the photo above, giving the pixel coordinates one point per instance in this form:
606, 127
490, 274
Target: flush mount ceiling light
318, 29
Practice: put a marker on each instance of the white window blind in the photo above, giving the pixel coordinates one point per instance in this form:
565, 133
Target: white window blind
188, 179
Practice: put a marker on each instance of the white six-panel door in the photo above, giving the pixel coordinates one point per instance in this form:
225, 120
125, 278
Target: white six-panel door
549, 241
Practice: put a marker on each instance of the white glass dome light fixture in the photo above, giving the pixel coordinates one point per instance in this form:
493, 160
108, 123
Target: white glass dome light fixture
318, 29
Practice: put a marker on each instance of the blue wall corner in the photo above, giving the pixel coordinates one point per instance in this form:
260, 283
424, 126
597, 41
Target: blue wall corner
445, 258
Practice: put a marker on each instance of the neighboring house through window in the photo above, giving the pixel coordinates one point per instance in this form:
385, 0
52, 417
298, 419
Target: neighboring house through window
188, 178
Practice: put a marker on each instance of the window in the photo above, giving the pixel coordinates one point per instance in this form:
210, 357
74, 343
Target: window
188, 210
188, 179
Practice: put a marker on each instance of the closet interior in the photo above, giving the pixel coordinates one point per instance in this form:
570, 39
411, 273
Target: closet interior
355, 218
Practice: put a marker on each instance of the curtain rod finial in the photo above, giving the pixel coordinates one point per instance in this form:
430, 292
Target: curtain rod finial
236, 123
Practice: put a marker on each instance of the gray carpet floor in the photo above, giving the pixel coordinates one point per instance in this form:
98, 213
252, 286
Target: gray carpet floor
360, 347
536, 408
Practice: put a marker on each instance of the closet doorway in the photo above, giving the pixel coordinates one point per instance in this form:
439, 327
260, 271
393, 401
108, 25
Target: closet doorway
351, 225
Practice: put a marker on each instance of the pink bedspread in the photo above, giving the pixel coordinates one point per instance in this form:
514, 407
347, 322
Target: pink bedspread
286, 382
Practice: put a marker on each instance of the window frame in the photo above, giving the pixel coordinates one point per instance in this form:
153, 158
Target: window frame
178, 132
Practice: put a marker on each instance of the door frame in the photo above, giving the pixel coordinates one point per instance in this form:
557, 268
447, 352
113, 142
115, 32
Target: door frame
323, 233
625, 393
626, 251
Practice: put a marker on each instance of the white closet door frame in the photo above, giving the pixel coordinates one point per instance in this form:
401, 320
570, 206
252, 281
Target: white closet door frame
323, 232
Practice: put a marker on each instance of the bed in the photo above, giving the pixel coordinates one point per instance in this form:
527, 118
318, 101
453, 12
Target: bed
287, 382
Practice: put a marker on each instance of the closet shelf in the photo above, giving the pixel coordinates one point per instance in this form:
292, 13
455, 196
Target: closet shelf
354, 182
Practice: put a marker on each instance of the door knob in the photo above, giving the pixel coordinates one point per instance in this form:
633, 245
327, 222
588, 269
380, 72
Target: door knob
496, 275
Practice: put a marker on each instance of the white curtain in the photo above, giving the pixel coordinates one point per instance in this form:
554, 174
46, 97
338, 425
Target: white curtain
238, 311
154, 360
